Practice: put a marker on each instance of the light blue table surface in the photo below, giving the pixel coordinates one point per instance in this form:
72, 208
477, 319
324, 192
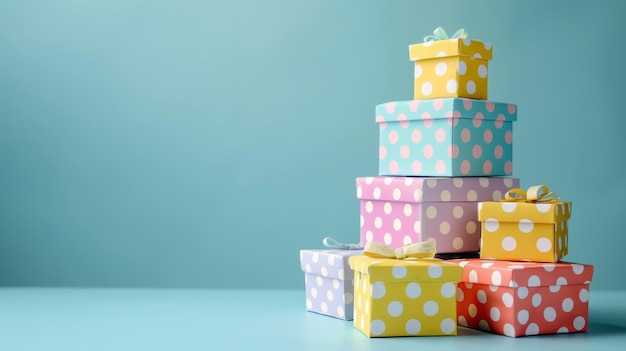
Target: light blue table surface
156, 319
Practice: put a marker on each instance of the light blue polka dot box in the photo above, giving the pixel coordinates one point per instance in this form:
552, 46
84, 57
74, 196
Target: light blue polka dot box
328, 280
446, 137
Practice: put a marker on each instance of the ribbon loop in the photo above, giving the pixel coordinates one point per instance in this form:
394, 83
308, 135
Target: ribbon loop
424, 249
515, 195
334, 244
539, 193
534, 194
440, 34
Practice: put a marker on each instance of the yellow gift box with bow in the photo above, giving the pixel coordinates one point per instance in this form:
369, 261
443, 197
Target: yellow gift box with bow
450, 67
525, 226
404, 292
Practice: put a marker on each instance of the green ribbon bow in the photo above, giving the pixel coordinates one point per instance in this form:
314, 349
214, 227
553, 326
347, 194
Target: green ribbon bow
440, 34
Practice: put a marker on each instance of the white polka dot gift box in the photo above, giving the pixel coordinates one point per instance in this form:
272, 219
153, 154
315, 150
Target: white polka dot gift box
446, 137
404, 297
328, 281
402, 210
525, 226
523, 298
450, 67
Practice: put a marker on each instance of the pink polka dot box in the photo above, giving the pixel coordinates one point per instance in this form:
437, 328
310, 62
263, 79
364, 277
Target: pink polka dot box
523, 298
398, 211
446, 137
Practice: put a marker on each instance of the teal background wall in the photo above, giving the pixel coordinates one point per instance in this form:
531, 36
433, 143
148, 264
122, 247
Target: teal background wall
204, 143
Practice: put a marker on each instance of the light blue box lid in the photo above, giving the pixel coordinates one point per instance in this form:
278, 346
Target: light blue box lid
397, 111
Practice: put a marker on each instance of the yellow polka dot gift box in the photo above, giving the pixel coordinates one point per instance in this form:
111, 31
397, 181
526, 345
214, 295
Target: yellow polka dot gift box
450, 67
328, 281
398, 211
525, 226
523, 298
404, 297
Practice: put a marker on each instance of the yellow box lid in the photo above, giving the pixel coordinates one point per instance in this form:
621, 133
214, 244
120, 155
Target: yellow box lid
547, 212
407, 270
450, 47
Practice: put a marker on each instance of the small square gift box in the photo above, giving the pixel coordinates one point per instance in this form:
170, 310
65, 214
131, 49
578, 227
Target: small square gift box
525, 226
445, 137
398, 211
450, 66
328, 279
523, 298
404, 291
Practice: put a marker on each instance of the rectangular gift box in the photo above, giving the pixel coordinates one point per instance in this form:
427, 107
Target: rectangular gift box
523, 298
521, 231
451, 68
446, 137
404, 297
328, 281
399, 211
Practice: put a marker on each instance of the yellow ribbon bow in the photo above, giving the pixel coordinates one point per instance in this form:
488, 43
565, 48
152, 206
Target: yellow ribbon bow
535, 193
424, 249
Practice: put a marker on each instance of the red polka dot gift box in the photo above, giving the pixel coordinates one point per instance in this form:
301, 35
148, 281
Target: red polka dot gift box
446, 137
523, 298
399, 211
524, 231
450, 67
404, 297
328, 281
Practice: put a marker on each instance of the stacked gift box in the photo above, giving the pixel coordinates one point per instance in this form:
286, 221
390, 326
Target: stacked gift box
445, 161
520, 286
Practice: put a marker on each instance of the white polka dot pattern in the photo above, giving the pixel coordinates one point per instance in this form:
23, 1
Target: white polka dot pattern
328, 281
426, 208
390, 301
445, 137
450, 68
549, 299
524, 231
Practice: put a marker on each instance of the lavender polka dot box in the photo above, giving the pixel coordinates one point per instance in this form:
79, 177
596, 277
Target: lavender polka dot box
328, 281
398, 211
446, 137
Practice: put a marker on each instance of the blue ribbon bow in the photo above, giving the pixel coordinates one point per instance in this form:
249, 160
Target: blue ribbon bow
440, 34
334, 244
